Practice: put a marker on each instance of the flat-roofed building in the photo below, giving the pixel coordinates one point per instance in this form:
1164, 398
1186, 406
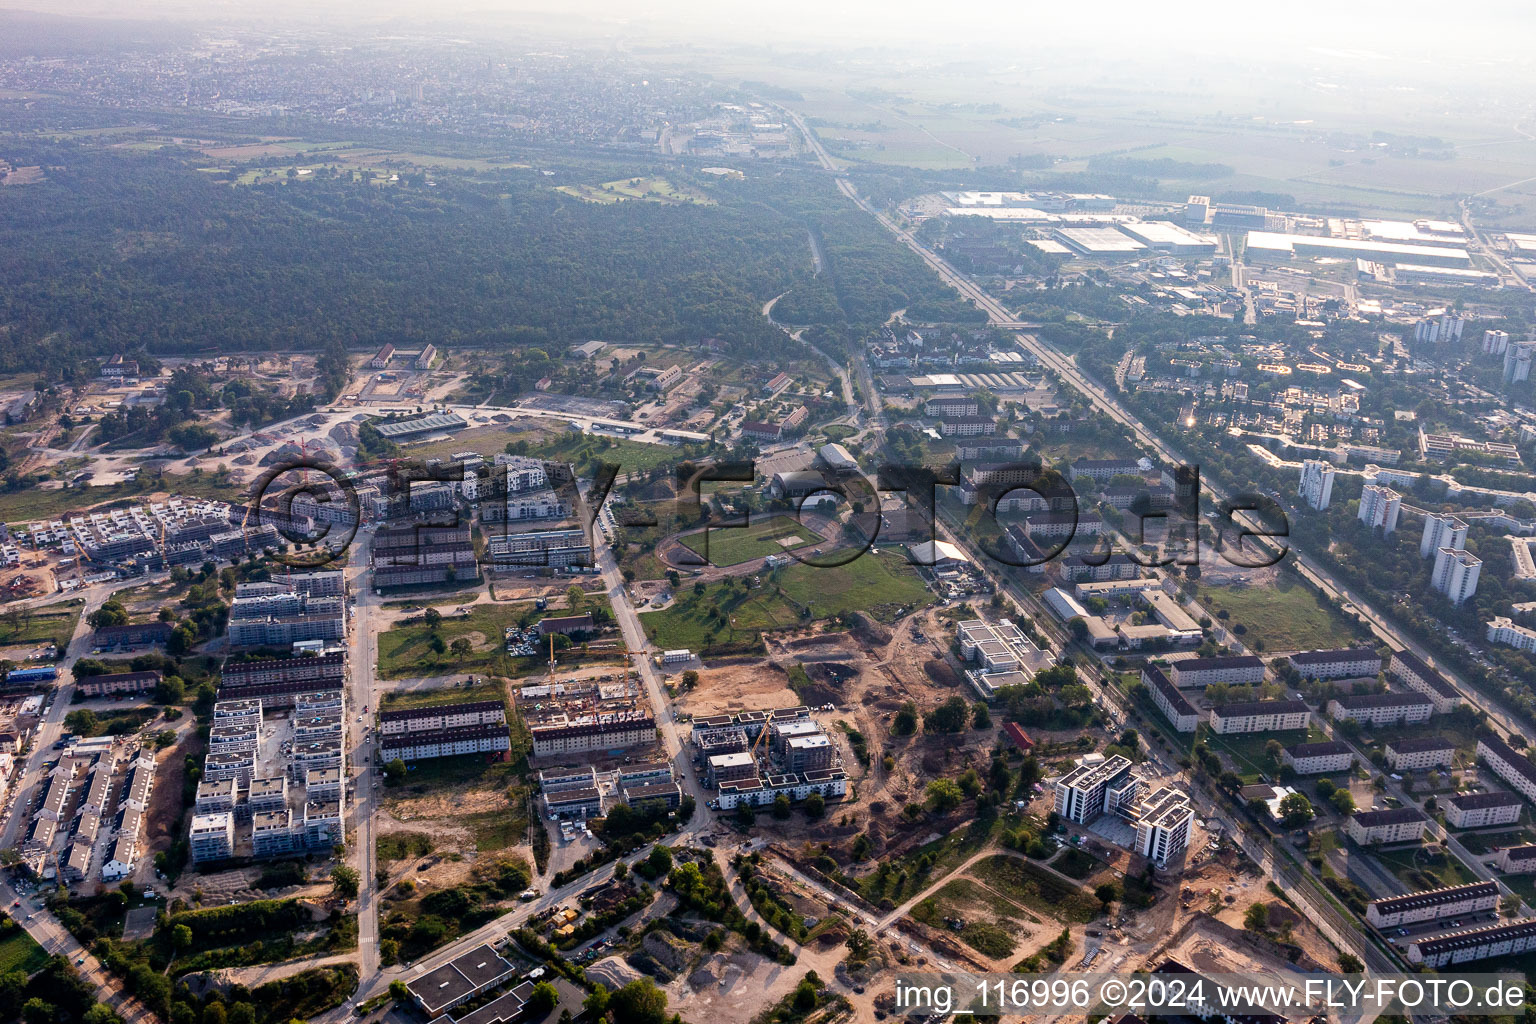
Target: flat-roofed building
808, 753
212, 836
1500, 940
1181, 714
459, 980
1480, 810
1317, 758
1163, 821
1393, 825
1380, 709
1419, 753
732, 767
1344, 663
1095, 786
1260, 716
1198, 673
665, 794
217, 797
1433, 905
576, 802
267, 795
614, 730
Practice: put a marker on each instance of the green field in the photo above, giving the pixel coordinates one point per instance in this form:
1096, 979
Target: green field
1246, 749
582, 450
1033, 886
1419, 869
1287, 616
32, 503
985, 923
406, 652
727, 613
395, 700
56, 625
730, 546
19, 951
647, 189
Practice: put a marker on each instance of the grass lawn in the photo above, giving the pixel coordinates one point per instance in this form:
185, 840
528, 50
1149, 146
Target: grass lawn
648, 189
54, 625
727, 614
406, 652
1287, 616
989, 925
485, 690
732, 546
1074, 863
30, 504
1484, 842
1421, 870
581, 450
1246, 749
1033, 886
19, 951
452, 597
392, 846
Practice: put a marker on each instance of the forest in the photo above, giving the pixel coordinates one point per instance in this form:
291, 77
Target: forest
120, 251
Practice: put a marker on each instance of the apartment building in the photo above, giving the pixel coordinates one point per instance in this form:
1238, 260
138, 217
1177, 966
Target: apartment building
1343, 663
1433, 905
1500, 940
276, 682
1163, 821
1198, 673
1394, 825
118, 683
1181, 714
1096, 785
1517, 860
1513, 767
1317, 483
212, 836
412, 556
1382, 708
1102, 470
1420, 753
1442, 531
967, 426
1331, 756
1503, 630
1456, 574
1480, 810
1380, 507
555, 549
1410, 670
1260, 716
586, 733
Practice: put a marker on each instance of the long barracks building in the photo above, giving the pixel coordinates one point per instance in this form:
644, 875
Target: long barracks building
1434, 904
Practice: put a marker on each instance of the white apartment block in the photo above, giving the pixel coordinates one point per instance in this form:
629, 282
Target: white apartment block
1480, 810
1433, 904
1382, 708
1395, 825
1456, 574
1194, 673
213, 836
1517, 860
1344, 663
1442, 531
1094, 786
1330, 756
1317, 483
1409, 669
1175, 707
1380, 507
1260, 716
1503, 630
1163, 821
1420, 753
1513, 767
1501, 940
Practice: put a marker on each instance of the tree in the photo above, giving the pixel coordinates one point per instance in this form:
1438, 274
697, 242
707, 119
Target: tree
1350, 964
905, 722
1342, 801
433, 618
639, 1002
943, 795
620, 871
781, 806
398, 992
542, 999
242, 1013
111, 613
948, 717
181, 937
1295, 810
345, 881
38, 1011
690, 679
170, 690
101, 1013
394, 772
981, 716
805, 996
1274, 753
815, 805
596, 1003
1256, 918
1107, 893
461, 648
659, 862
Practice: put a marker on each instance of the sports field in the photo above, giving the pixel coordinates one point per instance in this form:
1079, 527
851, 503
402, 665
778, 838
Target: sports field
724, 545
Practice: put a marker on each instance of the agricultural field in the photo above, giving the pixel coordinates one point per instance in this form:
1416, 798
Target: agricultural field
1286, 616
648, 189
726, 546
728, 613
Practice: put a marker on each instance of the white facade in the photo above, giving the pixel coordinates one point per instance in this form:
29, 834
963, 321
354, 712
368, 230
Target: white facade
1317, 483
1503, 940
1260, 716
1513, 767
1317, 758
1397, 826
1502, 630
1380, 507
1163, 821
1480, 810
1456, 574
1442, 531
1434, 904
1382, 708
1420, 755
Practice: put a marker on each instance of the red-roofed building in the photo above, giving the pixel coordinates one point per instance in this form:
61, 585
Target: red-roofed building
1020, 738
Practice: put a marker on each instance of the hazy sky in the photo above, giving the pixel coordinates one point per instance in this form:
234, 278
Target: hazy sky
1369, 29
